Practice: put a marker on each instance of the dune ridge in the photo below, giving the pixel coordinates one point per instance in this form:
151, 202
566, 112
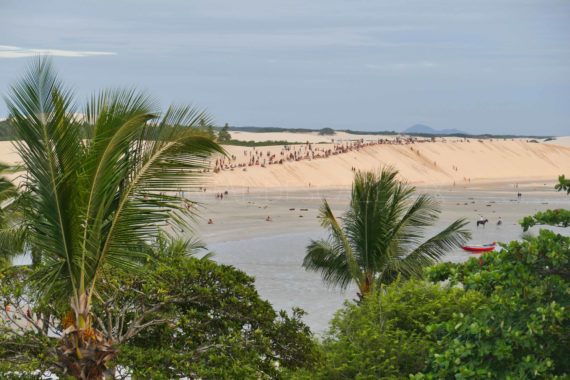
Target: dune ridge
444, 162
435, 163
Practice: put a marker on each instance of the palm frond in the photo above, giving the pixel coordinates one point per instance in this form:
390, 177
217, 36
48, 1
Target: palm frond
164, 159
433, 249
329, 260
341, 240
102, 200
49, 143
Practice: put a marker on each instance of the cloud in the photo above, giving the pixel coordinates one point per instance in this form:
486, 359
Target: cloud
7, 51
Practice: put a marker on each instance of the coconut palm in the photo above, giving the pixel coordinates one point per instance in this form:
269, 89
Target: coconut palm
381, 236
99, 188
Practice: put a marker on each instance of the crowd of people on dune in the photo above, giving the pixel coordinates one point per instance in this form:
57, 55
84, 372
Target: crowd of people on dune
307, 151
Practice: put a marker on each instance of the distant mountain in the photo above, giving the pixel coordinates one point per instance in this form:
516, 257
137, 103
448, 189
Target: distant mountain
427, 130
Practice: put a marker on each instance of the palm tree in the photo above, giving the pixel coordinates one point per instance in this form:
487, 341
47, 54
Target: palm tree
11, 242
99, 189
381, 236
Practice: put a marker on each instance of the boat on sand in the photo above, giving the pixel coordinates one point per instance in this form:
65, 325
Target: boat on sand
480, 248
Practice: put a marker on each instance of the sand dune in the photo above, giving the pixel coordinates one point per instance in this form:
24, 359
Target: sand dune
430, 163
449, 162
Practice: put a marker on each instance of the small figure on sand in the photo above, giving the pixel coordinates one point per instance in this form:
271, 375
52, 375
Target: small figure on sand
519, 195
210, 221
482, 221
268, 219
500, 221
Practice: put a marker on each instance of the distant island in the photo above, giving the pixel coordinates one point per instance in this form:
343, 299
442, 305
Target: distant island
427, 130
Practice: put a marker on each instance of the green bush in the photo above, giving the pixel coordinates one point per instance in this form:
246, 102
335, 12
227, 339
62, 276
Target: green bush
523, 330
217, 325
387, 335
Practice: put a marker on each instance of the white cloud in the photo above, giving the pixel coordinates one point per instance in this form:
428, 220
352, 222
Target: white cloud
7, 51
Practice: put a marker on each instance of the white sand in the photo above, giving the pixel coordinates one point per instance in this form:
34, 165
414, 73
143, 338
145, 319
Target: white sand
430, 163
421, 163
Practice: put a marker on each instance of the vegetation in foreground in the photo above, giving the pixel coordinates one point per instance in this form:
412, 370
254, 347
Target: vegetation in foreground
504, 315
177, 316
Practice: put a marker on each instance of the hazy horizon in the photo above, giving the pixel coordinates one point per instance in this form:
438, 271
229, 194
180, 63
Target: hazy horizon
497, 67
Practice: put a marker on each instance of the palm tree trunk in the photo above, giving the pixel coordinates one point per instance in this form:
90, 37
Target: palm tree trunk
365, 287
84, 351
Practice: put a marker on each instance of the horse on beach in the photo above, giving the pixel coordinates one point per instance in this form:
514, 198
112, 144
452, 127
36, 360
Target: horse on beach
482, 222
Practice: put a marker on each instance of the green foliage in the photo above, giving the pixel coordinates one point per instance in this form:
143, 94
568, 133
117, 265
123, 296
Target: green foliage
389, 336
523, 330
224, 135
177, 316
6, 130
11, 240
558, 217
95, 201
381, 236
563, 184
25, 347
208, 322
326, 132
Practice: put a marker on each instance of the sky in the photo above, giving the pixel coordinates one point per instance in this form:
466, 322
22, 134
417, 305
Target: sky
486, 66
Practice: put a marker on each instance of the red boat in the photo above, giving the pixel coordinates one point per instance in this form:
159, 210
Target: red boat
480, 248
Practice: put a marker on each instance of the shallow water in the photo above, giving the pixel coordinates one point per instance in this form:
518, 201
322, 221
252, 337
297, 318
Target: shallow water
275, 258
275, 262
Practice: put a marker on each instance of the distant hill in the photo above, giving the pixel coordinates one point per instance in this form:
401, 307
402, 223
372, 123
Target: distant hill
427, 130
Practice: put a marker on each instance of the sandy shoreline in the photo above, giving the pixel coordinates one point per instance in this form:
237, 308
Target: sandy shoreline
242, 215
